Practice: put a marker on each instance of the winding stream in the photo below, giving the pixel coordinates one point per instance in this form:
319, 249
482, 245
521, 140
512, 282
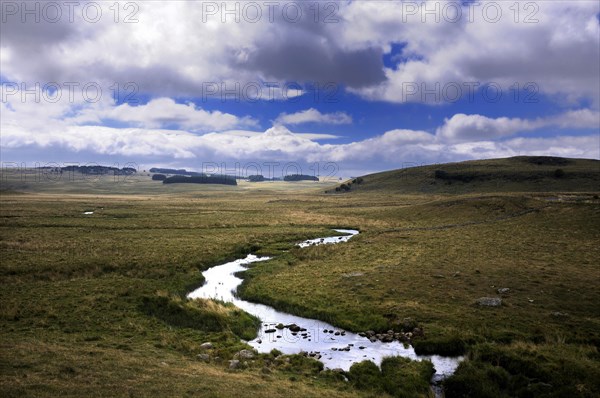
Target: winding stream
335, 347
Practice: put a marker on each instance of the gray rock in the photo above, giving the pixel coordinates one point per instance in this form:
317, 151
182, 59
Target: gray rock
489, 301
352, 275
245, 354
206, 346
203, 357
559, 314
234, 364
503, 290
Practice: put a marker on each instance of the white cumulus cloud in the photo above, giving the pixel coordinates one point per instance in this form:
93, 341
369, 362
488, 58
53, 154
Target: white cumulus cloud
313, 115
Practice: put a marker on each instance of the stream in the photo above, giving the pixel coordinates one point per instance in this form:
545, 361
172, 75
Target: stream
333, 346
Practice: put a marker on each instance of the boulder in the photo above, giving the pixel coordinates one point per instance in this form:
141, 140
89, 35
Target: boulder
246, 354
206, 346
234, 364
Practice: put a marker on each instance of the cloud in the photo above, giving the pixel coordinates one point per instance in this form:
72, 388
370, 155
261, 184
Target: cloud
21, 108
461, 137
309, 136
175, 51
557, 48
313, 115
461, 127
164, 111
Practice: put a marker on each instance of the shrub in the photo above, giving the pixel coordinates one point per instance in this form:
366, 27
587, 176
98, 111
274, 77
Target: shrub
399, 377
559, 173
256, 178
366, 375
449, 346
159, 177
405, 378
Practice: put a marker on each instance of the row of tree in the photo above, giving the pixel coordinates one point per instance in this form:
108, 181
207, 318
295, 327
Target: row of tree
202, 179
300, 177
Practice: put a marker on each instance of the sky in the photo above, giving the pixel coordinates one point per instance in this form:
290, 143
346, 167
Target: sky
281, 87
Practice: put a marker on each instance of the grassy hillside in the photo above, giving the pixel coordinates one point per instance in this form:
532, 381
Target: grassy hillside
516, 174
93, 304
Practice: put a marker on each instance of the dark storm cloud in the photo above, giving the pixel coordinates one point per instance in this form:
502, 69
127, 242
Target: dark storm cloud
301, 59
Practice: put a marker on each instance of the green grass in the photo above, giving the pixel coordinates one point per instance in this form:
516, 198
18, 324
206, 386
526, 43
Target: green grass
517, 174
93, 304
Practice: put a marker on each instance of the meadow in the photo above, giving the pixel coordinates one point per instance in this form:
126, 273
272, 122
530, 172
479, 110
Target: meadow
94, 304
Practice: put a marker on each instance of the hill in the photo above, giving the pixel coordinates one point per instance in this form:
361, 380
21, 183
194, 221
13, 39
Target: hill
516, 174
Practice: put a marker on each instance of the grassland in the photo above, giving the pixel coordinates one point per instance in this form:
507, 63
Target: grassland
93, 304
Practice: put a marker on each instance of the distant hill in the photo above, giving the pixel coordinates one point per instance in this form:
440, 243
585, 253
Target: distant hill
516, 174
183, 172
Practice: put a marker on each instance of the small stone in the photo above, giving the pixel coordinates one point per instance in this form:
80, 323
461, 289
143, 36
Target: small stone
489, 301
559, 314
503, 290
206, 346
203, 357
245, 354
234, 364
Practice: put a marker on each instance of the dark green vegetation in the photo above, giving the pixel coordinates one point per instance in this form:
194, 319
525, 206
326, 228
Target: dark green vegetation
204, 179
398, 377
93, 304
158, 177
256, 178
300, 177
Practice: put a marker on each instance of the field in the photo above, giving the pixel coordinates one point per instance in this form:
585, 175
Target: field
92, 304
